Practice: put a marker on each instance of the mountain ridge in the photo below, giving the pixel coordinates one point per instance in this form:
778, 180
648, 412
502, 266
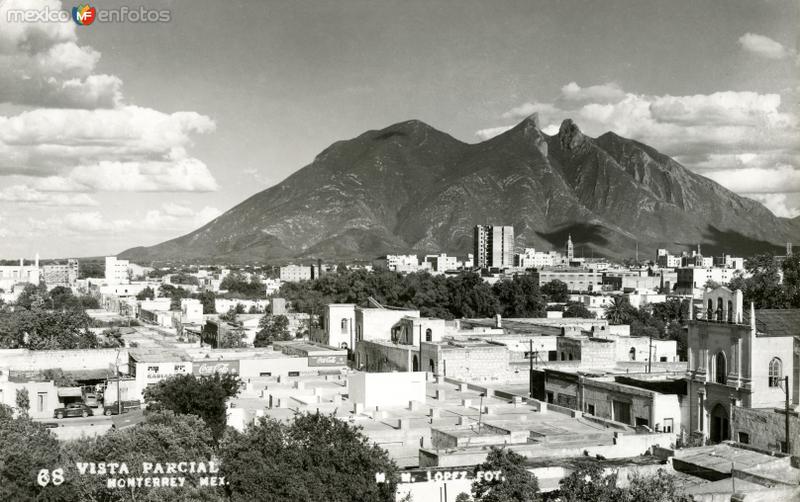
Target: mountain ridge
412, 188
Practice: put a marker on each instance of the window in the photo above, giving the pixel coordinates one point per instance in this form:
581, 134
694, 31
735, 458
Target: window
782, 444
642, 421
710, 313
41, 401
570, 356
775, 372
563, 356
294, 373
344, 326
180, 367
744, 438
663, 359
428, 335
590, 409
632, 354
152, 369
720, 371
550, 397
668, 425
265, 374
730, 311
552, 355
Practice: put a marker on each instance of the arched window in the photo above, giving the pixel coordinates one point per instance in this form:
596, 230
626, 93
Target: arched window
775, 372
720, 369
710, 310
428, 335
344, 326
730, 311
719, 309
632, 354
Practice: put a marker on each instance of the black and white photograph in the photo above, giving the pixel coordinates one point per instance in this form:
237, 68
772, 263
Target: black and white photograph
399, 251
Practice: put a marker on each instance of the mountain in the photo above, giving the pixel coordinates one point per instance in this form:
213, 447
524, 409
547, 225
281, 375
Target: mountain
412, 188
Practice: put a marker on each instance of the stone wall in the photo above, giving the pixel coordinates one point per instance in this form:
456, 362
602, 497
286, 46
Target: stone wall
766, 428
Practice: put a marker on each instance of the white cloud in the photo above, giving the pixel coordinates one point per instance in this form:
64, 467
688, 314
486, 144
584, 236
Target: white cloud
784, 179
603, 93
93, 222
80, 136
763, 46
122, 149
47, 66
491, 132
746, 141
23, 194
777, 203
170, 218
178, 217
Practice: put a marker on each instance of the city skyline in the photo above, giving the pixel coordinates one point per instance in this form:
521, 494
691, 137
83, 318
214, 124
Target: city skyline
122, 156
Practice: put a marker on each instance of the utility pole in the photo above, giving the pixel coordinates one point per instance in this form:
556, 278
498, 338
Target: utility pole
480, 413
786, 390
650, 353
530, 370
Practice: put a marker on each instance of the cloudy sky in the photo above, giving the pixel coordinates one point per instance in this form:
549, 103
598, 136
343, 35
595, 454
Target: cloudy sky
121, 134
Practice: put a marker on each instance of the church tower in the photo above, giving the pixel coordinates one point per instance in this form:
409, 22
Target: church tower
570, 249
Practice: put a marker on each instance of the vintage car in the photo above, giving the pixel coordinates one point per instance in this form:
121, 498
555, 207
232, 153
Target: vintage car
73, 410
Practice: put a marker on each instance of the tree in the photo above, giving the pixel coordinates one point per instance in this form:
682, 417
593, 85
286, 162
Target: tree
577, 309
272, 328
517, 484
589, 483
229, 316
26, 447
314, 458
658, 488
763, 287
208, 300
38, 329
162, 437
619, 311
203, 396
23, 401
556, 291
32, 296
146, 294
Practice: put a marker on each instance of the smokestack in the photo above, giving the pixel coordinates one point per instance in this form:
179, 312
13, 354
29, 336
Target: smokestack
498, 321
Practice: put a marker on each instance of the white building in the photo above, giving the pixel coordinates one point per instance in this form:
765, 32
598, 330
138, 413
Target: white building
403, 263
117, 270
531, 258
295, 273
22, 274
441, 263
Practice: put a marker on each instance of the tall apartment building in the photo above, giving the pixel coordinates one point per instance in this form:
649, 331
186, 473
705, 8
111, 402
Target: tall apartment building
61, 274
116, 270
494, 246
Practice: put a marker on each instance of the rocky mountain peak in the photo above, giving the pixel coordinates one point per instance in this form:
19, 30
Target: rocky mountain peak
570, 135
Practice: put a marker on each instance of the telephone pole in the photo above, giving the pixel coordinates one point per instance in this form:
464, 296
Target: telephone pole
530, 370
786, 389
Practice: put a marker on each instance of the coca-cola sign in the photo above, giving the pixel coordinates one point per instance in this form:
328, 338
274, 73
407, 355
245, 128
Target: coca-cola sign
211, 367
336, 360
